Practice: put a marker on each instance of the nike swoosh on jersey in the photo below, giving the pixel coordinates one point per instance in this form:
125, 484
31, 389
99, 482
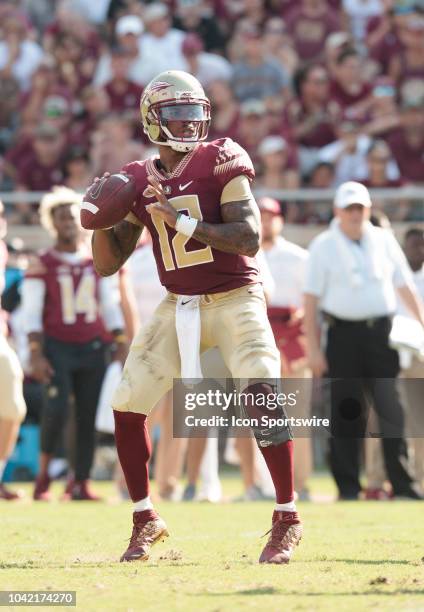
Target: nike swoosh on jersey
182, 187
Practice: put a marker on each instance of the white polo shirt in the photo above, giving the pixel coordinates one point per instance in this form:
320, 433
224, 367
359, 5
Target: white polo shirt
287, 263
350, 284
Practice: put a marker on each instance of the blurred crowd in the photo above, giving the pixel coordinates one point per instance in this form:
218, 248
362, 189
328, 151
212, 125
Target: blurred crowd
317, 91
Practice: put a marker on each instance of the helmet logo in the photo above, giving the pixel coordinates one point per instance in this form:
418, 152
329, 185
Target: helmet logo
159, 86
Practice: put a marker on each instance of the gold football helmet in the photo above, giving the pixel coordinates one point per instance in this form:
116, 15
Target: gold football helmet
175, 95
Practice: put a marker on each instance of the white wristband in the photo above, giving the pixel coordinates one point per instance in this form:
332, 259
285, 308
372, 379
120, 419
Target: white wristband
186, 225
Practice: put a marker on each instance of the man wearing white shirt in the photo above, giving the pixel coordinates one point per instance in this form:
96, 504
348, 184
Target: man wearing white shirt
287, 263
161, 45
354, 272
128, 34
19, 55
206, 67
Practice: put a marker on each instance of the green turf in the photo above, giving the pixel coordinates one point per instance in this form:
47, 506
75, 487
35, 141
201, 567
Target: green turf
354, 556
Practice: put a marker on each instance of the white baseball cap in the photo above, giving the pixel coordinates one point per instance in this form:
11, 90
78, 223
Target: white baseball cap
352, 193
272, 144
129, 24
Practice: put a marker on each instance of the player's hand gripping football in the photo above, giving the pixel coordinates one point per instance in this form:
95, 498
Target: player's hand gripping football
162, 207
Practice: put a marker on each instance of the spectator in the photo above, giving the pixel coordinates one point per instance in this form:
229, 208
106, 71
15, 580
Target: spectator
123, 93
408, 63
93, 12
407, 142
9, 115
277, 173
279, 44
310, 23
206, 67
73, 34
382, 38
113, 146
383, 114
321, 176
379, 158
161, 44
20, 56
348, 87
39, 12
192, 17
257, 76
359, 13
75, 71
379, 161
77, 169
334, 45
45, 83
348, 153
128, 31
95, 105
225, 111
311, 115
39, 170
253, 127
252, 13
353, 274
317, 211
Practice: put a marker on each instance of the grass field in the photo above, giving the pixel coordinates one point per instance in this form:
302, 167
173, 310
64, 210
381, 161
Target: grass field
354, 556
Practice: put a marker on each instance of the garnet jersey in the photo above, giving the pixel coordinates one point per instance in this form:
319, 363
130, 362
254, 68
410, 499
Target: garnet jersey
185, 265
71, 298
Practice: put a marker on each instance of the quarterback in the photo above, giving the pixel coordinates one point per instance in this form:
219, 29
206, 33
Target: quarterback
196, 202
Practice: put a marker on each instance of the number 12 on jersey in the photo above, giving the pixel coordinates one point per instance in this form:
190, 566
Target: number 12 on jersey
183, 258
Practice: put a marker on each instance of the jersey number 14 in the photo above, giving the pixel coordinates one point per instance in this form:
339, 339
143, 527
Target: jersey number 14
78, 300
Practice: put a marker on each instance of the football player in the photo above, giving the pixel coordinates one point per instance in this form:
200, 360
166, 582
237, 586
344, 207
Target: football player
12, 404
66, 307
196, 201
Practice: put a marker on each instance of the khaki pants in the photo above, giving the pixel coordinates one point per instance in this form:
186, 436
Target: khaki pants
234, 321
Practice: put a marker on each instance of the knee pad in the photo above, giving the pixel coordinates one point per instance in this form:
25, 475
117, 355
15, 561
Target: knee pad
269, 420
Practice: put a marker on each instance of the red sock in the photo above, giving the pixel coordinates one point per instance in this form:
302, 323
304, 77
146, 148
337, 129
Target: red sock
134, 449
279, 460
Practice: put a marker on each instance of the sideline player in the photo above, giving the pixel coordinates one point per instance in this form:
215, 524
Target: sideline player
65, 306
12, 404
206, 261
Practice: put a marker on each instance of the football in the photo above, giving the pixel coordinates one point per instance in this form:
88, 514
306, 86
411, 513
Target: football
108, 201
